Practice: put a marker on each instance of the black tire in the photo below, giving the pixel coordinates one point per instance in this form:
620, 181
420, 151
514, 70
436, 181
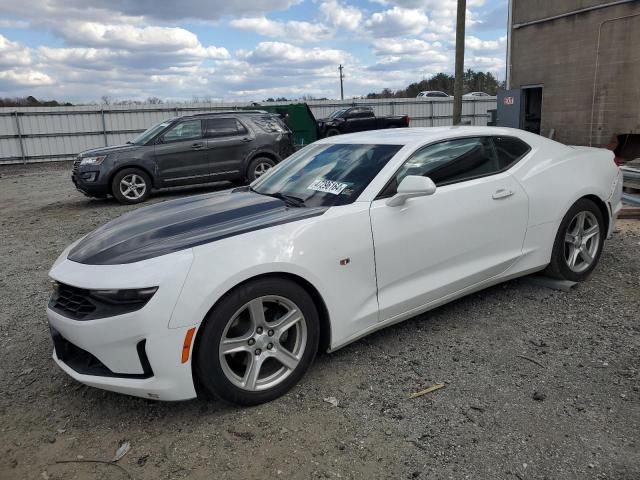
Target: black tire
559, 265
332, 132
259, 167
135, 174
209, 372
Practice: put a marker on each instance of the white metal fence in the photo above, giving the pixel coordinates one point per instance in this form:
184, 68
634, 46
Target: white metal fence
40, 134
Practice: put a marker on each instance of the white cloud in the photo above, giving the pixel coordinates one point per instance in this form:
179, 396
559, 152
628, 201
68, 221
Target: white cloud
397, 22
342, 16
13, 53
24, 78
163, 10
293, 30
476, 44
287, 55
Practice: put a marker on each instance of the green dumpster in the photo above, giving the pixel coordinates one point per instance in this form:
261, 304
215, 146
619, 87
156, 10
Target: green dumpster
299, 119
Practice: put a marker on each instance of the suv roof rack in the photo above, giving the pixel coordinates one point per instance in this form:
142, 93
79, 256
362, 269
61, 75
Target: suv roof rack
225, 112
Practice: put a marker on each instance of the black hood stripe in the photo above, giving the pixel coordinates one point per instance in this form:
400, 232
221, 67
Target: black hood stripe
184, 223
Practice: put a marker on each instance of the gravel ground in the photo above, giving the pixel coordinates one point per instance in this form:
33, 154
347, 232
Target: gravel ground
577, 416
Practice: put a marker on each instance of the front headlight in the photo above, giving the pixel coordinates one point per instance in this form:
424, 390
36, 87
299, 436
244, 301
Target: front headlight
81, 304
93, 160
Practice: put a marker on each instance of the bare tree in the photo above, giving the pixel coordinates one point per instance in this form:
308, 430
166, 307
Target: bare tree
105, 100
154, 100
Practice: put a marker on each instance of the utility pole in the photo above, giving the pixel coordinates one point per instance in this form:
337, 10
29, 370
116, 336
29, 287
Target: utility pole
459, 75
341, 85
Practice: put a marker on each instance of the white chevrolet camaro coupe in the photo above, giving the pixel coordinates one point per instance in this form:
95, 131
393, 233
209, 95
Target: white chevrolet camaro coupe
232, 293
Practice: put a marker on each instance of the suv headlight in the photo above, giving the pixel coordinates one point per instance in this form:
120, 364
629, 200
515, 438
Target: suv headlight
93, 160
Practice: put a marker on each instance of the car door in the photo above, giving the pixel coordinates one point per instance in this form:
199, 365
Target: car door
229, 141
471, 229
356, 121
181, 154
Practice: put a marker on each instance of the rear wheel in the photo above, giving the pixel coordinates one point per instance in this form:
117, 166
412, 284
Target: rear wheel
578, 243
258, 167
131, 185
258, 342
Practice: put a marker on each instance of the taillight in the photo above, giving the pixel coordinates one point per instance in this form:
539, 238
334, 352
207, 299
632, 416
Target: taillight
408, 120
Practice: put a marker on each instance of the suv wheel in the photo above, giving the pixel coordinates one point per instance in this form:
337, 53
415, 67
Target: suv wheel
131, 185
332, 132
258, 167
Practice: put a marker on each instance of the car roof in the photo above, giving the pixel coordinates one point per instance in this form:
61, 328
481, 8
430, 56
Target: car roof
423, 135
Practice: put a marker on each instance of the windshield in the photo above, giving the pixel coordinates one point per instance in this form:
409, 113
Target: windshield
147, 135
338, 113
326, 174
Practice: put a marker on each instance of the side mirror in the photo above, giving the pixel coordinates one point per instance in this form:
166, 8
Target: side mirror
160, 140
412, 186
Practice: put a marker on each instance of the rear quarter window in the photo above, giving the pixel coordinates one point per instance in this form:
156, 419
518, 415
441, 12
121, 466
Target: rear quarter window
509, 150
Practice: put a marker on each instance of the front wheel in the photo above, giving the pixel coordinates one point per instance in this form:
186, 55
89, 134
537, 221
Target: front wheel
257, 342
332, 132
578, 244
131, 185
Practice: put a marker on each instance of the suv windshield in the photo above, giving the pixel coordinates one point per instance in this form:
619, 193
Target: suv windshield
147, 135
326, 174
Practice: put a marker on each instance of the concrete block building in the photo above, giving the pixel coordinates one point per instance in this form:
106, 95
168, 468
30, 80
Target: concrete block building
573, 70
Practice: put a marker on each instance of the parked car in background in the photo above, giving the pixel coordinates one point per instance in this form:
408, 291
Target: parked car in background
475, 95
232, 293
187, 150
432, 94
358, 119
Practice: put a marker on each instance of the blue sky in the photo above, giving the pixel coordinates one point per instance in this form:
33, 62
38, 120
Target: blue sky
81, 50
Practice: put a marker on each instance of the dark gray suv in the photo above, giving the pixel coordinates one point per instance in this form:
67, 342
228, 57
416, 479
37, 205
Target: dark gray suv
185, 150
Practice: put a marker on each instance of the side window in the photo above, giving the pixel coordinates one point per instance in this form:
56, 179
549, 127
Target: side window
366, 113
509, 150
449, 162
224, 127
188, 130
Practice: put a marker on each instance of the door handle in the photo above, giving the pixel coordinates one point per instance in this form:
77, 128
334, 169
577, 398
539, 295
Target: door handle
196, 146
245, 139
501, 193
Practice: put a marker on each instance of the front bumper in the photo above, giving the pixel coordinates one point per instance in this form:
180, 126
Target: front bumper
89, 180
134, 353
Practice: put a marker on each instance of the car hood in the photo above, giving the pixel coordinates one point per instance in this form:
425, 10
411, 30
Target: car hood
107, 150
184, 223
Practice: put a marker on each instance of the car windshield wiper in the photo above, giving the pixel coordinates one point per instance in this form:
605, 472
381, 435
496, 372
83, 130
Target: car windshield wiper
289, 199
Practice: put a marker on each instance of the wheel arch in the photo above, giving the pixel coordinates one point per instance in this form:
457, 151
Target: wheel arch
323, 312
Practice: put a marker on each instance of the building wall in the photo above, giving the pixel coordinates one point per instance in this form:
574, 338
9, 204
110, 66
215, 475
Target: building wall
561, 55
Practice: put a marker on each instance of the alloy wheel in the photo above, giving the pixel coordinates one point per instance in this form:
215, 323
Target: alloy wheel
263, 343
581, 241
133, 186
261, 169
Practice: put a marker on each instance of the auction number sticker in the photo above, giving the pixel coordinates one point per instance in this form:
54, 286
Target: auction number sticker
327, 186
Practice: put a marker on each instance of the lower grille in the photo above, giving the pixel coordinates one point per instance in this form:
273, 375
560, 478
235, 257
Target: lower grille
71, 301
85, 363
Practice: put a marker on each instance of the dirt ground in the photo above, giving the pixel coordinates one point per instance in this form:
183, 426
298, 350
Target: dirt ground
576, 415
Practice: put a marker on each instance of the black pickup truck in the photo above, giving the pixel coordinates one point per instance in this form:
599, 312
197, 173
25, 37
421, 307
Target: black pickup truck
357, 119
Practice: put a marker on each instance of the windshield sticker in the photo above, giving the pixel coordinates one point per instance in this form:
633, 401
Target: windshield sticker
327, 186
